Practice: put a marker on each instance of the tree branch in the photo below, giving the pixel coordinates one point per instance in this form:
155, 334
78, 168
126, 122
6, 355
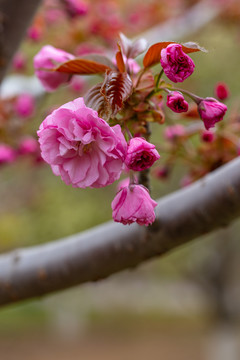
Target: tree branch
15, 17
211, 203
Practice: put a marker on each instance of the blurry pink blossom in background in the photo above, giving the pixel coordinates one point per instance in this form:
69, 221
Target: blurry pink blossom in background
221, 91
24, 106
48, 58
7, 154
174, 131
28, 145
19, 61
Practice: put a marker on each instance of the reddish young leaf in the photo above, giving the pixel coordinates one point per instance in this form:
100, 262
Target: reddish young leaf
132, 48
119, 59
116, 88
95, 100
82, 67
153, 54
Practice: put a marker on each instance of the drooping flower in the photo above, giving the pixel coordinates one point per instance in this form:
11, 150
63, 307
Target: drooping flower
211, 111
48, 58
175, 63
141, 154
133, 204
81, 147
221, 91
25, 105
176, 102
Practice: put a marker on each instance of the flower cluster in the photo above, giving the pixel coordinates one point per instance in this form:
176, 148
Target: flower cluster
89, 142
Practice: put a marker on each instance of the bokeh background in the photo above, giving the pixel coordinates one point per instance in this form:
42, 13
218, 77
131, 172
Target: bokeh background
182, 306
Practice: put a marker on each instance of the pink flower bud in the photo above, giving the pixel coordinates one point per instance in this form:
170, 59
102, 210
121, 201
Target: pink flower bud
211, 111
140, 154
25, 105
176, 102
208, 136
7, 154
48, 58
175, 63
28, 145
133, 204
174, 131
221, 91
19, 61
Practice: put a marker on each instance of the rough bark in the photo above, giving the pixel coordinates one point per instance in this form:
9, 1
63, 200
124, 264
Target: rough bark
15, 17
209, 204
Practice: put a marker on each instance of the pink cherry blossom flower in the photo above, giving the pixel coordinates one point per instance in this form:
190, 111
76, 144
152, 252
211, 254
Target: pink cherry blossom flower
176, 102
28, 145
7, 154
175, 63
133, 204
48, 58
211, 111
81, 147
140, 154
25, 105
221, 91
174, 131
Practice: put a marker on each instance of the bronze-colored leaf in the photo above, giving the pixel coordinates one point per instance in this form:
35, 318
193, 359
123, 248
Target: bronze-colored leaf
153, 54
116, 88
95, 100
119, 59
82, 67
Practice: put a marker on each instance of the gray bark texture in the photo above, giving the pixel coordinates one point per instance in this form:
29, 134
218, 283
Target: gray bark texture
209, 204
15, 17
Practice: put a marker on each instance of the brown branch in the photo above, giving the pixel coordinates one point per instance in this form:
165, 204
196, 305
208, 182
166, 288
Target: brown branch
15, 17
209, 204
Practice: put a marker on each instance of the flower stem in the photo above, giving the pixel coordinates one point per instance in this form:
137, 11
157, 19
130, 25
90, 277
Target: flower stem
158, 79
